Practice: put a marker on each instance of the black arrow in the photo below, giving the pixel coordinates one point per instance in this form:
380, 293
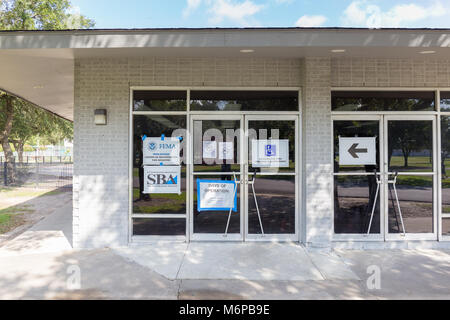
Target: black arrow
354, 151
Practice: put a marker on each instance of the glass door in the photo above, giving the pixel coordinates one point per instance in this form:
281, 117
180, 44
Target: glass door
271, 178
410, 166
216, 178
358, 177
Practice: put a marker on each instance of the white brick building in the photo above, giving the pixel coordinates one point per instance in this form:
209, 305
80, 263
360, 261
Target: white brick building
309, 87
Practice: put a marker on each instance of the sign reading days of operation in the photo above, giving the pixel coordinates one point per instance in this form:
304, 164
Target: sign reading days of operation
357, 151
162, 179
270, 153
216, 195
161, 152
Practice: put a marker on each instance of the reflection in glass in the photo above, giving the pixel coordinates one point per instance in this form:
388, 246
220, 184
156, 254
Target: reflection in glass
445, 170
156, 126
275, 130
159, 227
383, 101
244, 100
354, 198
211, 222
160, 101
410, 146
355, 129
445, 101
446, 226
210, 138
415, 195
276, 202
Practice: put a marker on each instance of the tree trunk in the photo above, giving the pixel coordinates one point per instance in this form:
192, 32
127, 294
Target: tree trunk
4, 137
19, 149
406, 156
406, 160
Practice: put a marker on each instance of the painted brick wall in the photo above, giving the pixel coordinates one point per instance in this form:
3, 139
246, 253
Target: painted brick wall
316, 73
101, 152
360, 72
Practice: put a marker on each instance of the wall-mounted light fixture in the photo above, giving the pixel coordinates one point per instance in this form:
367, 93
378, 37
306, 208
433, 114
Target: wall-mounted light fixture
100, 117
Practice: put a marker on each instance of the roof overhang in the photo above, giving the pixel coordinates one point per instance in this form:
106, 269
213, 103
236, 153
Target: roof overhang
39, 65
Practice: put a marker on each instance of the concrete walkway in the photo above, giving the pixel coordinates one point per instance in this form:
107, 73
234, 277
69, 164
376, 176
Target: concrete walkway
40, 264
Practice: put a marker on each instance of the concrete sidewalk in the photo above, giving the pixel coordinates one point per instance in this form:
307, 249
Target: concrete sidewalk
40, 264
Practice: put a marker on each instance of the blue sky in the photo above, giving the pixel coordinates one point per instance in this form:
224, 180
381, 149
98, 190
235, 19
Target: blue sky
265, 13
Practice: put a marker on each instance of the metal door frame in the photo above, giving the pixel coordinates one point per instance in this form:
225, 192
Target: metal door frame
386, 174
243, 178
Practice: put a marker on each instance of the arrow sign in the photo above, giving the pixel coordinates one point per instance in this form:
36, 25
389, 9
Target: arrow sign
357, 151
354, 151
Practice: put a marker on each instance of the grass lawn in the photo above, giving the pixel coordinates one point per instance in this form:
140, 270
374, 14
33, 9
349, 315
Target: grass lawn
13, 217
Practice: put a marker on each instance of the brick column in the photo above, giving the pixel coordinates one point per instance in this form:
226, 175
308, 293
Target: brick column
317, 139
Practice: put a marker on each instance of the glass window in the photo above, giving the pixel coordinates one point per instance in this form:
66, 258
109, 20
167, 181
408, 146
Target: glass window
445, 101
209, 137
348, 129
272, 130
244, 101
206, 222
159, 227
354, 199
159, 101
383, 101
446, 227
276, 203
445, 169
414, 206
410, 146
156, 126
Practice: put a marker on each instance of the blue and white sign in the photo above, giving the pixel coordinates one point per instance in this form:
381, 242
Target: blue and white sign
216, 195
161, 151
270, 153
162, 179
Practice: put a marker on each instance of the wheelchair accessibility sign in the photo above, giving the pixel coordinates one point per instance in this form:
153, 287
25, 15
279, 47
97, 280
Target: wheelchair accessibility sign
271, 150
270, 153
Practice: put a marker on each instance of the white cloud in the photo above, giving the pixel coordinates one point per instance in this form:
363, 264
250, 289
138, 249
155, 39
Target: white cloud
237, 12
191, 6
310, 21
363, 13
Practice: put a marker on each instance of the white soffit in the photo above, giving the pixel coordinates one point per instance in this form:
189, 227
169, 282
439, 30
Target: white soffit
39, 65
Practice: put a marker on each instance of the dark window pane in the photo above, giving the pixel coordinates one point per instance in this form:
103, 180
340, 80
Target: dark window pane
159, 227
160, 101
209, 222
445, 101
410, 146
276, 202
362, 129
244, 100
415, 195
354, 198
382, 101
156, 126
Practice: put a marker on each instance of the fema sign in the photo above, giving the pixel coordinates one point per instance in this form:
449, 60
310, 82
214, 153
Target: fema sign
162, 180
161, 152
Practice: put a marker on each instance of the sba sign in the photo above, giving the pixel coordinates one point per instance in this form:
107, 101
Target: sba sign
162, 179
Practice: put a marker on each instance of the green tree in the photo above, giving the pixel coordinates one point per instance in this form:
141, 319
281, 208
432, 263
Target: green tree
31, 15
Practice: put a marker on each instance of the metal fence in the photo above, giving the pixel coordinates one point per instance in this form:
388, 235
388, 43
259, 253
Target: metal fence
42, 175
